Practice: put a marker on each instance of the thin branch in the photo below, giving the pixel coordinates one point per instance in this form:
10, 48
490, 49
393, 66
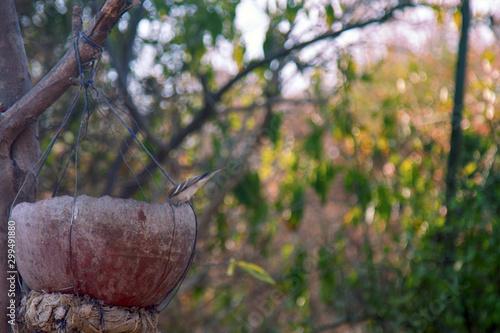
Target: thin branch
271, 102
132, 28
60, 78
327, 35
76, 22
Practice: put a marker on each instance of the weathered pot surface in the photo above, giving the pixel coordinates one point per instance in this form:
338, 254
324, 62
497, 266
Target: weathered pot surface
124, 252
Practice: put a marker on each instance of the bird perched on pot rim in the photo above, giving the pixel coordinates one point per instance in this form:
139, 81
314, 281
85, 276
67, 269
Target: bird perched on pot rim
186, 190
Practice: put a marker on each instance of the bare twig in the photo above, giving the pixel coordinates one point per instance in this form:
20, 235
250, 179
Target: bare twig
77, 23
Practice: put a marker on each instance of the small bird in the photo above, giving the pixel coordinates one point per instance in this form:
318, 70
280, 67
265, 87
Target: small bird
186, 190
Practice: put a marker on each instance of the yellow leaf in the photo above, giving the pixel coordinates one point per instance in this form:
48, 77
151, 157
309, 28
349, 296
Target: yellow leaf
457, 17
255, 271
286, 251
238, 54
235, 121
470, 168
230, 267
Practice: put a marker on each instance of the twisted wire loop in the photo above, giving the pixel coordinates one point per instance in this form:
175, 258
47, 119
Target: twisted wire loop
93, 64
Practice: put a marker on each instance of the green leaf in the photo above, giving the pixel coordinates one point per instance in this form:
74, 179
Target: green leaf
384, 205
330, 17
248, 191
327, 274
213, 22
314, 142
274, 126
297, 207
292, 8
322, 179
357, 183
230, 267
255, 271
295, 282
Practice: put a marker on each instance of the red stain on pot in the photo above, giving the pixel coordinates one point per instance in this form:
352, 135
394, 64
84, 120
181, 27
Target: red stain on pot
141, 217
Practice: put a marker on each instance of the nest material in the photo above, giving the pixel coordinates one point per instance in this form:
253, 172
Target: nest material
57, 312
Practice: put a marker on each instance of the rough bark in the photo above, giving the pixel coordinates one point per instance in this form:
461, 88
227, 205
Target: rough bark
23, 150
19, 149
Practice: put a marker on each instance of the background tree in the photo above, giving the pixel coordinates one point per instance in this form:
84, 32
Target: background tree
334, 125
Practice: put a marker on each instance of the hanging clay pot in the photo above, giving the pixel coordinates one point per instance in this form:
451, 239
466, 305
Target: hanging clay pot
122, 251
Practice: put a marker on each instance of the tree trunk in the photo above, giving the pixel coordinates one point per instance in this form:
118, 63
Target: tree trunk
18, 158
454, 156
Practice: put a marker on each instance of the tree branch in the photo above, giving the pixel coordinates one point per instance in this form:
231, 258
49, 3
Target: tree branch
327, 35
271, 102
59, 79
209, 109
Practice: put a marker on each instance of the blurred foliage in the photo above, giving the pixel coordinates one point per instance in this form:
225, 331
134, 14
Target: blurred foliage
335, 158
